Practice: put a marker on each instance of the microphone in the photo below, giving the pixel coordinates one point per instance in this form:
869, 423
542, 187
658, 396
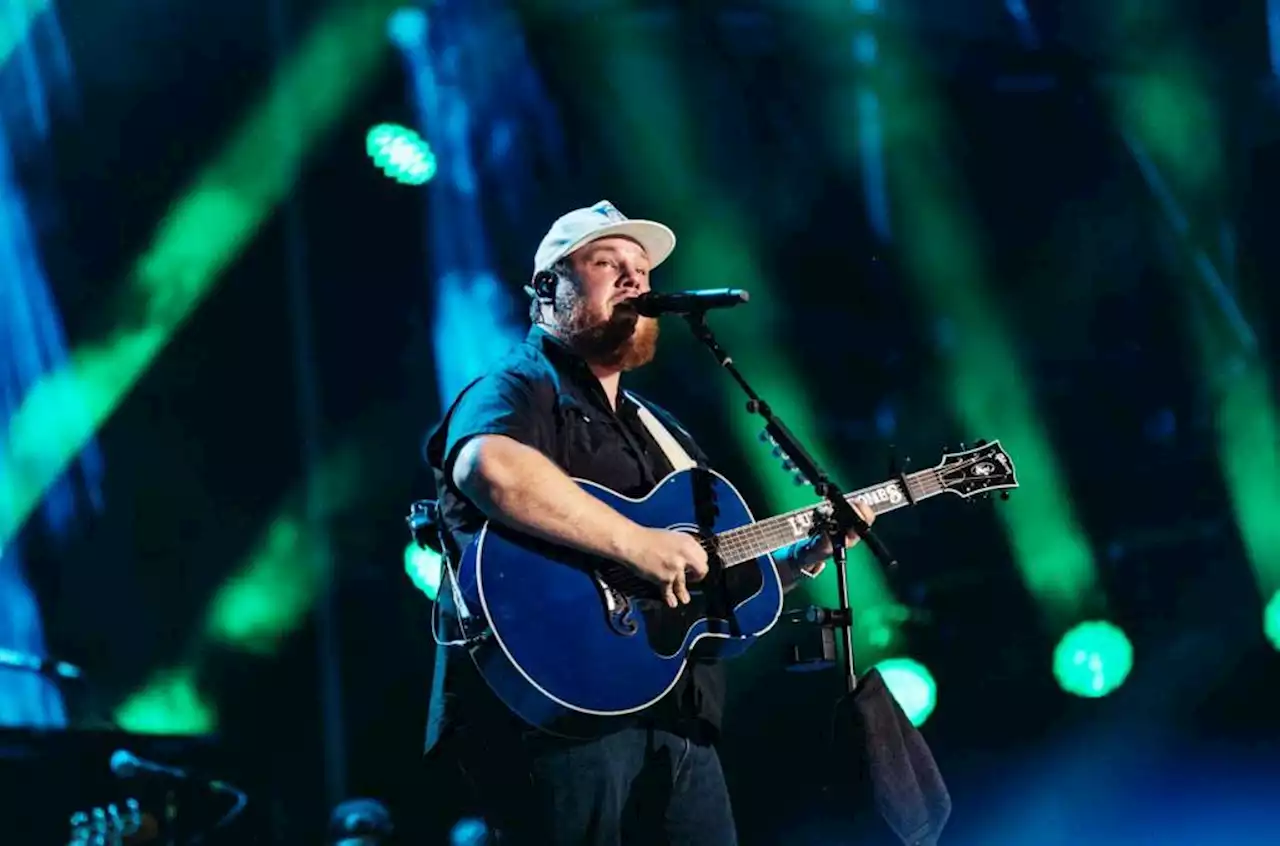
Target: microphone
688, 302
125, 764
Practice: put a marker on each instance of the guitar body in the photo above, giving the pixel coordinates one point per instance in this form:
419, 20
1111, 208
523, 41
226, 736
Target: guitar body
574, 641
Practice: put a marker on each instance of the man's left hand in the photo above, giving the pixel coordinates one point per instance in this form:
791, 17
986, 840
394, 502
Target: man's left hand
814, 557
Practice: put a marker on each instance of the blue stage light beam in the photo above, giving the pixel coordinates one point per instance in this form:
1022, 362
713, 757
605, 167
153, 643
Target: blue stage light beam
475, 320
32, 343
1273, 29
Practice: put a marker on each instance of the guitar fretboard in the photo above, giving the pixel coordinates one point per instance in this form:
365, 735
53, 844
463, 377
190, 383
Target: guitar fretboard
746, 543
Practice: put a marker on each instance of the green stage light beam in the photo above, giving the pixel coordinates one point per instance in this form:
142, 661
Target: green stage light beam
883, 115
1163, 97
268, 595
171, 703
277, 585
1247, 433
988, 390
1271, 620
1171, 121
653, 126
194, 244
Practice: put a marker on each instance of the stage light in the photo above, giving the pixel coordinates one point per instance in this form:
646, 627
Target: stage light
172, 703
469, 831
401, 153
206, 229
1271, 620
1092, 659
407, 27
423, 568
912, 685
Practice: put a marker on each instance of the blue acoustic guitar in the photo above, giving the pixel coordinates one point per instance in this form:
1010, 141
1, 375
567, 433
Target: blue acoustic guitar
568, 641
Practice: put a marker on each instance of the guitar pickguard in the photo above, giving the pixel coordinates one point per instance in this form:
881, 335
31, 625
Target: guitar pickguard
667, 629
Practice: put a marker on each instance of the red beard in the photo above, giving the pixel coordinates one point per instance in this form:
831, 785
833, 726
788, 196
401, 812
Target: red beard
622, 339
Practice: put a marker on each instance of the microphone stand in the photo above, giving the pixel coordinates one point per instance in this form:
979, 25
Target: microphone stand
841, 520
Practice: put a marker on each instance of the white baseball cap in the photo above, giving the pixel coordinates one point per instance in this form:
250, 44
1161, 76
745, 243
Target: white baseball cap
582, 226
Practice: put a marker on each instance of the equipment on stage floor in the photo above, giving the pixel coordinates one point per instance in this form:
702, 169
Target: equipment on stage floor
360, 822
80, 788
112, 826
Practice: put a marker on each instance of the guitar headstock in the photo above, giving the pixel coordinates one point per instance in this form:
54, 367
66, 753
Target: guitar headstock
977, 471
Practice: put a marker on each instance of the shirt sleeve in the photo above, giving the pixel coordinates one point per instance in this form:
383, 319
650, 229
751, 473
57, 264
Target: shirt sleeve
502, 403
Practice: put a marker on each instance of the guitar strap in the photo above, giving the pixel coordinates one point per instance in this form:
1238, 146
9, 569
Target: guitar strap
677, 455
681, 460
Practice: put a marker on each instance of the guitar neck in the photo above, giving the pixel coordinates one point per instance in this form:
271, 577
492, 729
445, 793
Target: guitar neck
746, 543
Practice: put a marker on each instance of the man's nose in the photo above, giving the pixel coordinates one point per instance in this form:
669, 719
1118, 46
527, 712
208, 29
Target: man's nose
629, 278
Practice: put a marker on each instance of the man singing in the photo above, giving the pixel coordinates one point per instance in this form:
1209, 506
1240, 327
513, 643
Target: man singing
553, 409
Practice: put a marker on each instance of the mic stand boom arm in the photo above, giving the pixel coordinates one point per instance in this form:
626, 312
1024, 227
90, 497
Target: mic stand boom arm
843, 518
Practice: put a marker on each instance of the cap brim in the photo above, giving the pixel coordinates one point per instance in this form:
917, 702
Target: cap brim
657, 239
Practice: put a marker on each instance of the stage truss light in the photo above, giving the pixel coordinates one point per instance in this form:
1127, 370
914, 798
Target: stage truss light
1093, 659
401, 154
912, 685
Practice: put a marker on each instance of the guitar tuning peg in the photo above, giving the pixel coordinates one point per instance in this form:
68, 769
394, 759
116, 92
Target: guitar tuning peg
981, 442
1004, 495
800, 480
764, 436
788, 465
777, 452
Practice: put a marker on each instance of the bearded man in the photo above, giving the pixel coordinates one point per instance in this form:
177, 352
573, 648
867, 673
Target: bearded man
509, 450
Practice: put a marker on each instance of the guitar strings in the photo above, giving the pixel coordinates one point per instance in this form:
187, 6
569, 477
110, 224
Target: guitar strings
749, 542
746, 543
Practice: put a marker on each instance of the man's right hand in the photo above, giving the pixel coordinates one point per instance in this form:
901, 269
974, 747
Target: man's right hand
668, 559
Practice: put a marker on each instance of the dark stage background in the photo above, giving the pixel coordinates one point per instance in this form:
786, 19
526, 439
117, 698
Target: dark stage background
1091, 283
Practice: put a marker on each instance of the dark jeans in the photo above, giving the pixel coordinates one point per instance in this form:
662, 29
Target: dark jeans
634, 786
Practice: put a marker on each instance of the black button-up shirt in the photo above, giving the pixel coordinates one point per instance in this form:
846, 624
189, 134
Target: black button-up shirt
545, 396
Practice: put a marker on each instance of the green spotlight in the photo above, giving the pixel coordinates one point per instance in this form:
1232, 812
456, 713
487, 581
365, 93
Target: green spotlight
423, 568
1092, 659
204, 232
171, 704
1271, 620
401, 153
912, 685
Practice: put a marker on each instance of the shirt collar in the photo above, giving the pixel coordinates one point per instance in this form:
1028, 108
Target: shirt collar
567, 362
